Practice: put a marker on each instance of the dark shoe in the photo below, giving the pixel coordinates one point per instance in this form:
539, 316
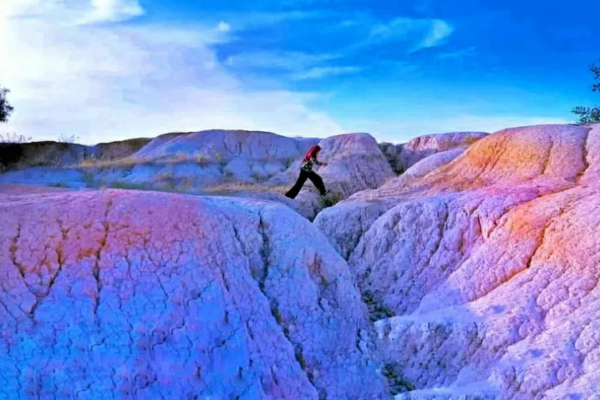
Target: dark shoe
325, 193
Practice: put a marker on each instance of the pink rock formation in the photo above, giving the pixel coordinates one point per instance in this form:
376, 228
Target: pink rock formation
483, 273
404, 156
227, 162
355, 163
117, 294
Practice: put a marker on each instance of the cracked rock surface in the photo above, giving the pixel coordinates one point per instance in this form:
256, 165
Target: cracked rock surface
482, 275
123, 294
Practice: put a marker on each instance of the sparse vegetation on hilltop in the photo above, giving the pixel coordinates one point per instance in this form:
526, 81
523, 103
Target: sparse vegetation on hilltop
12, 137
590, 114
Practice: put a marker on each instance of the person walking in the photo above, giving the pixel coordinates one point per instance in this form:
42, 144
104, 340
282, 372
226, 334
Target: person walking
306, 172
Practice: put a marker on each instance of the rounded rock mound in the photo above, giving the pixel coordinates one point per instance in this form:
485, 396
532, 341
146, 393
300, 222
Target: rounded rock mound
482, 275
122, 294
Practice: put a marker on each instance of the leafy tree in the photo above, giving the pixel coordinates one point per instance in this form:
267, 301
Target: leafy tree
5, 108
590, 114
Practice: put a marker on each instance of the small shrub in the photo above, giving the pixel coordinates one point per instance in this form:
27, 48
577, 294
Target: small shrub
590, 114
332, 199
202, 160
187, 184
67, 139
260, 178
587, 115
89, 179
398, 384
377, 311
288, 162
14, 138
126, 185
59, 185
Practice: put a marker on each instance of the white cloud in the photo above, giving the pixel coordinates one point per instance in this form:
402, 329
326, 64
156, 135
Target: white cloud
324, 72
290, 61
114, 10
417, 33
223, 27
106, 82
438, 33
458, 54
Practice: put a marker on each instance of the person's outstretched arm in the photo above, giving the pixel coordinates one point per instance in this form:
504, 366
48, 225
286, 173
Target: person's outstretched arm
319, 163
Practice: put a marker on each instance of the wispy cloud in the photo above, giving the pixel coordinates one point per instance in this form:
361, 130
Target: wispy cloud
248, 20
439, 31
223, 27
286, 60
325, 72
113, 81
458, 54
113, 11
353, 38
415, 33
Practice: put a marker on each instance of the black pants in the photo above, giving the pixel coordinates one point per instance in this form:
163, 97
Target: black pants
304, 175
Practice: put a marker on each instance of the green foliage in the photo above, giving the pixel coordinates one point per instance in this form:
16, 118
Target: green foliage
587, 115
332, 199
127, 185
59, 185
590, 114
5, 107
289, 161
396, 382
89, 179
377, 311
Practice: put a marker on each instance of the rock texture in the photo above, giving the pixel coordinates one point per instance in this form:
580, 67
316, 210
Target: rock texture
483, 274
53, 154
403, 156
479, 268
233, 163
207, 158
117, 294
57, 154
355, 163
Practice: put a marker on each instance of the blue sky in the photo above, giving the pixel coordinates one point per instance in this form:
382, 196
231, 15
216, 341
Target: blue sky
110, 69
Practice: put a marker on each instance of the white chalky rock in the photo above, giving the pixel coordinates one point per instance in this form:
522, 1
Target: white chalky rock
404, 156
483, 274
355, 163
118, 294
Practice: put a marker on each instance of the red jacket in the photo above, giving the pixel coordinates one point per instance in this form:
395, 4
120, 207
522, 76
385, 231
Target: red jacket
312, 153
310, 158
